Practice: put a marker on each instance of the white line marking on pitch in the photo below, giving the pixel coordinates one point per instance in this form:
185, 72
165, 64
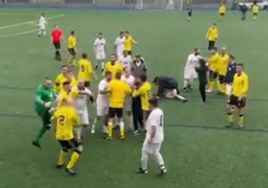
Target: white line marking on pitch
23, 23
21, 33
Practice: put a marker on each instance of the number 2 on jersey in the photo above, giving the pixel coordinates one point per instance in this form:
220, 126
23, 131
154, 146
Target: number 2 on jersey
62, 120
161, 120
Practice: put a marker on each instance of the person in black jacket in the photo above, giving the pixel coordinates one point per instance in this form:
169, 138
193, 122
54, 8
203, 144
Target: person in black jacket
202, 69
243, 8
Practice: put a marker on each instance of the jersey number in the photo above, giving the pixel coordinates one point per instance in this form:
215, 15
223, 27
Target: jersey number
62, 120
161, 120
82, 68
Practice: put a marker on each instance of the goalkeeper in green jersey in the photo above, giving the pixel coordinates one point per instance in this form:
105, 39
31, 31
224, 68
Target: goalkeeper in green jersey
45, 97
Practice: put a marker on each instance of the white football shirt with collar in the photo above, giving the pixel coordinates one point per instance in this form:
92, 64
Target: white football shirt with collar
120, 45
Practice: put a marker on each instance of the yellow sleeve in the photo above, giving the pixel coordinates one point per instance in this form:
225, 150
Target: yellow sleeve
217, 32
213, 58
133, 40
74, 92
121, 68
128, 89
89, 67
137, 92
74, 81
74, 42
106, 67
245, 88
208, 33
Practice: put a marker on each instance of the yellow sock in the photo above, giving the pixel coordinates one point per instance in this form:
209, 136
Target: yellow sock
62, 157
73, 160
230, 117
222, 88
211, 85
241, 119
110, 129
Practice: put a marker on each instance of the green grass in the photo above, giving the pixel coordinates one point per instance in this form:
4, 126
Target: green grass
198, 151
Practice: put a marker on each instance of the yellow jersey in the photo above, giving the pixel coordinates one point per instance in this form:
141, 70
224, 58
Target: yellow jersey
117, 67
255, 9
240, 85
144, 91
223, 64
73, 81
119, 89
58, 82
222, 9
212, 34
213, 62
71, 42
65, 96
128, 43
64, 119
85, 70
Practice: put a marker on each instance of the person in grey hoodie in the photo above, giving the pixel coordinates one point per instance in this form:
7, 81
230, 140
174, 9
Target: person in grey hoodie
138, 66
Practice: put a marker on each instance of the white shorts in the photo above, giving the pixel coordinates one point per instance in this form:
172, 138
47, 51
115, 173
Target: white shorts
190, 74
83, 115
42, 27
128, 104
151, 148
102, 110
119, 53
100, 56
228, 89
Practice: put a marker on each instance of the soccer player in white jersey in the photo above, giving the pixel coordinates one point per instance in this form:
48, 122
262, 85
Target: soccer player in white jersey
125, 60
42, 23
129, 79
119, 44
100, 51
102, 103
189, 70
154, 138
80, 104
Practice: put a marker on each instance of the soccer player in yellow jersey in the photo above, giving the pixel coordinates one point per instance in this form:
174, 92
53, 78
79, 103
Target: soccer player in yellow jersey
66, 94
237, 100
62, 77
212, 36
222, 11
129, 41
70, 78
114, 66
213, 65
222, 69
64, 119
72, 48
144, 90
85, 70
255, 10
118, 90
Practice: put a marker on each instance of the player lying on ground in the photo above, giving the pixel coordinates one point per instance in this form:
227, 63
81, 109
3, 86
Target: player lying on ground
42, 23
166, 83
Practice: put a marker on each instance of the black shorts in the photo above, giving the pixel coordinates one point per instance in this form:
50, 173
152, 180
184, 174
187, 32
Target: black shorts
221, 79
68, 144
222, 14
115, 112
189, 14
211, 44
72, 51
56, 45
255, 14
87, 83
129, 52
212, 75
235, 102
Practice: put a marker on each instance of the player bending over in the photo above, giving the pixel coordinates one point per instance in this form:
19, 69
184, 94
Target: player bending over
166, 83
42, 23
45, 96
237, 100
154, 138
100, 51
102, 104
63, 120
189, 70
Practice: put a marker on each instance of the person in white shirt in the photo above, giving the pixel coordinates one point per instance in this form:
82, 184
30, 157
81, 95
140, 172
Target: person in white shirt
102, 103
100, 51
42, 23
189, 70
154, 138
129, 79
80, 104
125, 60
119, 44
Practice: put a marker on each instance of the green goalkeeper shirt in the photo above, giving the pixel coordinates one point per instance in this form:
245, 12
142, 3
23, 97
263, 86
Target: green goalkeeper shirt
43, 95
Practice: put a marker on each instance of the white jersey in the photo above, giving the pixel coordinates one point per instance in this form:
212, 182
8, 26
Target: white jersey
80, 102
125, 61
120, 45
192, 60
42, 22
156, 118
129, 80
99, 45
102, 99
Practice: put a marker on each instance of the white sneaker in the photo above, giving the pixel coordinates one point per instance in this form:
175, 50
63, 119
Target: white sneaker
92, 131
208, 91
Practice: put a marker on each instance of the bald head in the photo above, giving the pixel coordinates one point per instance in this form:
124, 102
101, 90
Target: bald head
81, 83
48, 83
223, 50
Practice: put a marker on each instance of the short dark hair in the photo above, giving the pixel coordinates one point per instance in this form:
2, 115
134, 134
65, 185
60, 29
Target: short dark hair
100, 33
107, 73
84, 55
143, 78
232, 57
214, 48
138, 56
121, 33
72, 32
127, 32
66, 83
153, 101
155, 80
202, 61
118, 75
64, 66
240, 64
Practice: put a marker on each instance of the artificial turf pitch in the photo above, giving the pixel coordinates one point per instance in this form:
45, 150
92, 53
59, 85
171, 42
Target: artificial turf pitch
199, 152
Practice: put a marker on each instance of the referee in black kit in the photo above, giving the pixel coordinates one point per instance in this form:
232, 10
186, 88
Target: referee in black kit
202, 69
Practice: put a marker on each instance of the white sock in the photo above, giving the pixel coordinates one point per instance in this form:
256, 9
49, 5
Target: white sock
102, 65
185, 83
104, 129
94, 124
122, 125
39, 32
44, 33
159, 160
78, 132
180, 97
144, 160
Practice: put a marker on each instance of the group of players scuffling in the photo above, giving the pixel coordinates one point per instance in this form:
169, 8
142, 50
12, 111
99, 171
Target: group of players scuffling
125, 88
222, 11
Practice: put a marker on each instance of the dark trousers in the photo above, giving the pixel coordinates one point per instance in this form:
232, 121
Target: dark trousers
137, 113
211, 44
202, 90
243, 16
